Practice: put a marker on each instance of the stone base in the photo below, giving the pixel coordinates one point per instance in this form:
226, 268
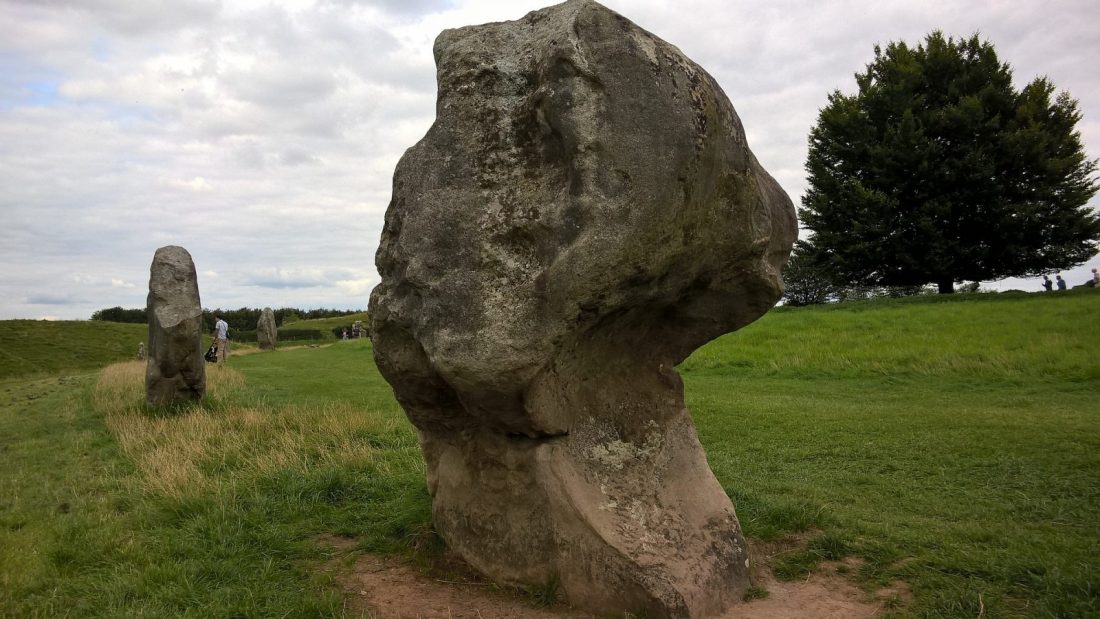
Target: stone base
619, 524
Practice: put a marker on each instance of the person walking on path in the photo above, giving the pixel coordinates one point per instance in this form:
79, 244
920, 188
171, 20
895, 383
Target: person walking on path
1047, 284
1061, 282
1095, 278
221, 337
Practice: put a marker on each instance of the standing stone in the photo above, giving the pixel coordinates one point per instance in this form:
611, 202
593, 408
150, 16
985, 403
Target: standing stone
175, 371
267, 334
582, 215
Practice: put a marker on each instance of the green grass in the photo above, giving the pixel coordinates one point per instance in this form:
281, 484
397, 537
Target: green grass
950, 443
112, 510
326, 325
340, 372
30, 347
1021, 338
60, 484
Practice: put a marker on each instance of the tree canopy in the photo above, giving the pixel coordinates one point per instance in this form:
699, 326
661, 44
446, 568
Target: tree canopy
938, 171
242, 319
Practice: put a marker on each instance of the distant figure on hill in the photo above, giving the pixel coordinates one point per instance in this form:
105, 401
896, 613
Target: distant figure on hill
1047, 284
1061, 282
221, 337
345, 336
1095, 281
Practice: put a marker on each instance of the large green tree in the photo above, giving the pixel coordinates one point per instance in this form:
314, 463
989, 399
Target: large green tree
938, 171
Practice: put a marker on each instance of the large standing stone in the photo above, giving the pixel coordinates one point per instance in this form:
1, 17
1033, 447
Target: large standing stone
583, 214
175, 371
267, 334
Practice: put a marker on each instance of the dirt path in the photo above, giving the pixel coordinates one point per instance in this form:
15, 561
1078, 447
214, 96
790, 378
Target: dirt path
386, 588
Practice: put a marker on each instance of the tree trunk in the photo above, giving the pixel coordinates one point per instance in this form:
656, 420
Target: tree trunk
946, 286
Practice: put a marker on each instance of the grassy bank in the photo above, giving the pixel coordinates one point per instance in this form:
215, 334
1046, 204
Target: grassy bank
30, 347
326, 325
952, 444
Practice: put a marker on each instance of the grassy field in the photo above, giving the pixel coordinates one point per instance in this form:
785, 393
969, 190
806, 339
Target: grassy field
42, 347
326, 325
46, 346
950, 443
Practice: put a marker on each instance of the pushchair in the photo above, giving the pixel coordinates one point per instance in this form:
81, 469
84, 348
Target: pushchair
211, 355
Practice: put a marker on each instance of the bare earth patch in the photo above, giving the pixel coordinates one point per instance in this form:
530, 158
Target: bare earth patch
384, 588
824, 595
388, 588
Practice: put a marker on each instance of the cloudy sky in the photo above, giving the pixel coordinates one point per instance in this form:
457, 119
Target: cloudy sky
262, 134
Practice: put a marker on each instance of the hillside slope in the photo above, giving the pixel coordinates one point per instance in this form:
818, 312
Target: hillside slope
1016, 337
326, 325
45, 346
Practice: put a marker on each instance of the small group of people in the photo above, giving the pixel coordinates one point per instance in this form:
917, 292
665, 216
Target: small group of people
1048, 285
357, 331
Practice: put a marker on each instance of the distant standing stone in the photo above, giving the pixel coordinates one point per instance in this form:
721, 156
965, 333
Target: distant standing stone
267, 334
175, 371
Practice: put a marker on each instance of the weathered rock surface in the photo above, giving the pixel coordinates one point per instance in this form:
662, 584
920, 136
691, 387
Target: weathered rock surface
175, 371
267, 334
583, 214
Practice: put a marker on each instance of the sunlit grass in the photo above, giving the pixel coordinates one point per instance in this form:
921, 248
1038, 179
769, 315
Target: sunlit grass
1020, 339
214, 508
212, 443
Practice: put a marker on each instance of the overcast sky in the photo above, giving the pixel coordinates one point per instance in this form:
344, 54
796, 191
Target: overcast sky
262, 135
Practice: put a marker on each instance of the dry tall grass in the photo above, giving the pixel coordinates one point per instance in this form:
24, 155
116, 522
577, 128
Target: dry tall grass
201, 446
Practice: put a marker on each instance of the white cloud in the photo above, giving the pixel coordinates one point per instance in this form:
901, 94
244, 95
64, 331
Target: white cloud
297, 277
51, 299
358, 287
401, 7
134, 17
196, 184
